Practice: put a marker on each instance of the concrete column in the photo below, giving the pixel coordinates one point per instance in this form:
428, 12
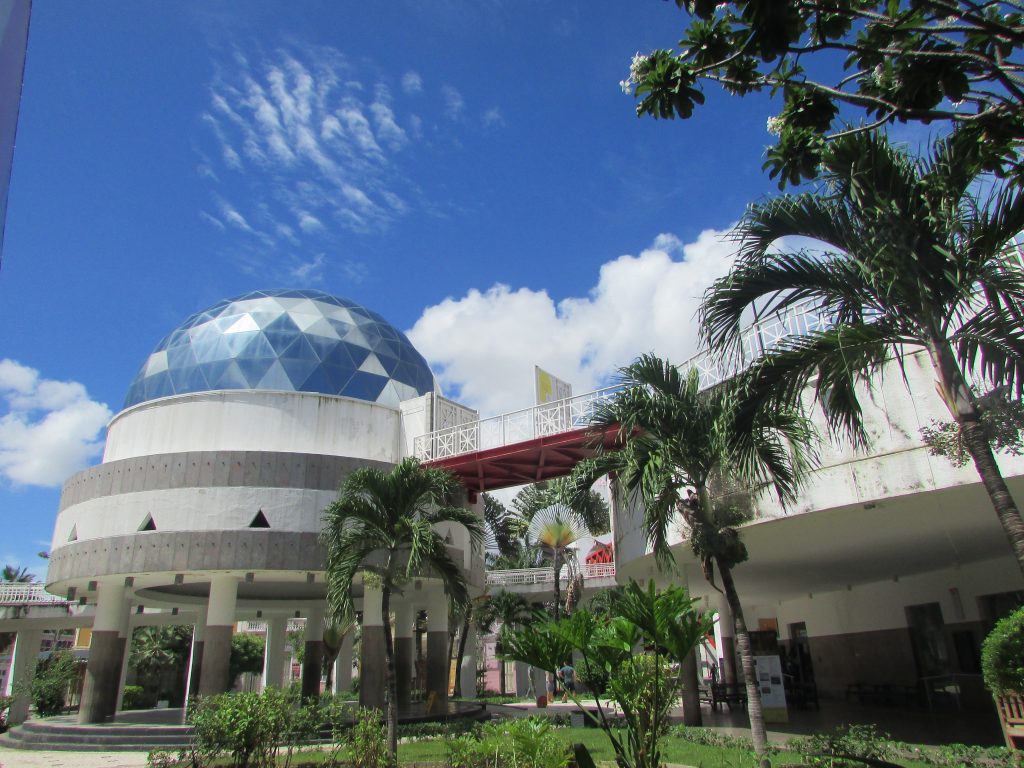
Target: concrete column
688, 672
467, 672
438, 663
313, 666
23, 668
99, 695
522, 678
727, 651
343, 664
373, 655
125, 638
273, 657
539, 681
214, 677
195, 657
405, 618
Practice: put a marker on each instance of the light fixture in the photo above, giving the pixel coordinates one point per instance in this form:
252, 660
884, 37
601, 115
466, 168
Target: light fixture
83, 600
91, 587
298, 614
140, 608
250, 577
259, 614
310, 577
71, 593
179, 578
174, 611
129, 581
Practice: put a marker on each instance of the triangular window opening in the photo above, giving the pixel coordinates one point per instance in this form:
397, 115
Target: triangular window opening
148, 524
73, 536
260, 521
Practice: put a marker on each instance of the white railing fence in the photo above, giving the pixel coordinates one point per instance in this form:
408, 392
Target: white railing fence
18, 593
526, 576
577, 412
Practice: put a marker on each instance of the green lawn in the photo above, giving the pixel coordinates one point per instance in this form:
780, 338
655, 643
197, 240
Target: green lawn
674, 750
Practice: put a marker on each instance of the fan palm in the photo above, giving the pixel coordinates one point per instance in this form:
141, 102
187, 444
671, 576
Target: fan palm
384, 524
675, 437
554, 530
920, 262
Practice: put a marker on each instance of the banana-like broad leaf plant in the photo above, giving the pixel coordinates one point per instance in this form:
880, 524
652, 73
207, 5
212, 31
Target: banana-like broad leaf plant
637, 654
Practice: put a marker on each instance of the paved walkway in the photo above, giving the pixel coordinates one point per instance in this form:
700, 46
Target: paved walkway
25, 758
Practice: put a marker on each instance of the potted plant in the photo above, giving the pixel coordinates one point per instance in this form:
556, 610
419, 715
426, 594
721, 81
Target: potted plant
1002, 665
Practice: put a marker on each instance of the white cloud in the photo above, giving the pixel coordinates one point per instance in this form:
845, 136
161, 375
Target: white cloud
309, 271
412, 82
484, 345
493, 118
50, 430
453, 102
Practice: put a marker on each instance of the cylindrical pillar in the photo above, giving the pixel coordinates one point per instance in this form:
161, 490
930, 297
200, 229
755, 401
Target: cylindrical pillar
688, 672
343, 664
405, 618
522, 679
125, 636
313, 664
195, 657
215, 677
467, 672
99, 694
373, 655
438, 663
274, 657
727, 627
23, 668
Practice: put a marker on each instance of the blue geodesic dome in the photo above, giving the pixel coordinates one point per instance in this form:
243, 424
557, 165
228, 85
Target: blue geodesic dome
295, 341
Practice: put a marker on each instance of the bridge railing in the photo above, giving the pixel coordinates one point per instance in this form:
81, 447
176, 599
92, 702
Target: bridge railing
527, 576
18, 593
577, 412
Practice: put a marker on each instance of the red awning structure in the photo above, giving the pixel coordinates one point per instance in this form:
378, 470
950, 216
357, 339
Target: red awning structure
541, 458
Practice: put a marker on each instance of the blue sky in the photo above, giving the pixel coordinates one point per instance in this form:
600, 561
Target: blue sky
471, 170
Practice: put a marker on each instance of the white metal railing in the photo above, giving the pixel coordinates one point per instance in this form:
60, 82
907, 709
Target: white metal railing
526, 576
576, 412
19, 593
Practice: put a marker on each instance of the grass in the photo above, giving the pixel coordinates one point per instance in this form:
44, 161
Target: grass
674, 750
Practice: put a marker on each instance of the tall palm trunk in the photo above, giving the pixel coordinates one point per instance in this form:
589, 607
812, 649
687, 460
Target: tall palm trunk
957, 395
754, 711
390, 677
556, 566
463, 634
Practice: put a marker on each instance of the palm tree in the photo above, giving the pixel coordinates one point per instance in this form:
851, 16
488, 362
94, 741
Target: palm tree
16, 574
384, 524
553, 530
675, 437
511, 611
920, 262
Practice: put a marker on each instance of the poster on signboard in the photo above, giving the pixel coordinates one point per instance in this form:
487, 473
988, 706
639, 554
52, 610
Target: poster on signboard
549, 388
773, 689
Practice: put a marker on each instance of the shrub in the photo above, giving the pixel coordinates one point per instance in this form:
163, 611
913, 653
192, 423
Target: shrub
521, 743
828, 750
369, 739
246, 726
1002, 655
53, 677
134, 697
5, 705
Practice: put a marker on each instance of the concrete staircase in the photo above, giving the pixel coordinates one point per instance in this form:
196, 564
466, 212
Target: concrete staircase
65, 734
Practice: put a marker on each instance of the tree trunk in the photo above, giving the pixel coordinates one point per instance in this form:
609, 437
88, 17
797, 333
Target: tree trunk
390, 677
463, 634
957, 394
556, 566
754, 711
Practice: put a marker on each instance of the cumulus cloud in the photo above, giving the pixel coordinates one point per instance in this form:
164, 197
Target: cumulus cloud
49, 430
483, 346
